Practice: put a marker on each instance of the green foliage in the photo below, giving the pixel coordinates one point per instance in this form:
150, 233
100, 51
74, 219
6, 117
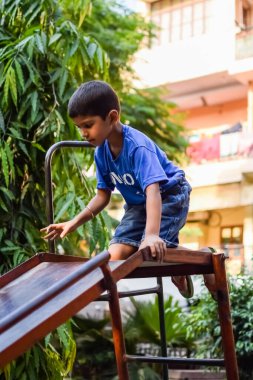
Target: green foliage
142, 324
95, 354
43, 57
203, 324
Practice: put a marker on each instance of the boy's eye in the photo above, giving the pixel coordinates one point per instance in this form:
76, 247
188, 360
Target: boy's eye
85, 126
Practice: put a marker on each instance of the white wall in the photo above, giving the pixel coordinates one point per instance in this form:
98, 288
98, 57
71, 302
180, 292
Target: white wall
194, 57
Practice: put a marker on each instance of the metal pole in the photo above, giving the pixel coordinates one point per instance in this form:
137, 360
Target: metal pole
48, 180
162, 326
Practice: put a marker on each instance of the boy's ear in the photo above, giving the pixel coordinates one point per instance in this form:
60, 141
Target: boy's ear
114, 115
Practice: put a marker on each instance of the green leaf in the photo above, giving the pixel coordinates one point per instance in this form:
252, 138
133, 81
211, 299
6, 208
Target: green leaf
70, 198
10, 160
23, 42
74, 47
23, 148
9, 193
47, 339
85, 9
5, 166
92, 49
62, 335
18, 258
2, 123
15, 133
12, 84
39, 43
34, 100
7, 372
38, 146
3, 206
63, 82
54, 38
35, 14
20, 76
36, 358
6, 90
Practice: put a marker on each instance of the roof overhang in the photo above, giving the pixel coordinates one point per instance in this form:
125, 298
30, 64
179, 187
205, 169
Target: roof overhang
206, 90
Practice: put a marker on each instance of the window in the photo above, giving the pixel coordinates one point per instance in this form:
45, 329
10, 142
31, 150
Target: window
181, 19
231, 235
244, 15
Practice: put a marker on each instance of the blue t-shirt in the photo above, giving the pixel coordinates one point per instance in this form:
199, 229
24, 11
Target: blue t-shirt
139, 164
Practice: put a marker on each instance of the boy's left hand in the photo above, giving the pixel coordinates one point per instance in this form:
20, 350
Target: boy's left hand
157, 246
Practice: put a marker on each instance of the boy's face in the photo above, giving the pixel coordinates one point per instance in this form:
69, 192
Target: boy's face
93, 128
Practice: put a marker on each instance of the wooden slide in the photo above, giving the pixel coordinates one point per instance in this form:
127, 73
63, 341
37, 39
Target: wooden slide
48, 289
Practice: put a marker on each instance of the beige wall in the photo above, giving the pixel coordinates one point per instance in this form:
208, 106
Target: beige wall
208, 117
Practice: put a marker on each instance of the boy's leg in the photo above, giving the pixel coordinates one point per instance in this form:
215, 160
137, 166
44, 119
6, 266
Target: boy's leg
184, 285
210, 283
174, 214
121, 251
209, 279
183, 282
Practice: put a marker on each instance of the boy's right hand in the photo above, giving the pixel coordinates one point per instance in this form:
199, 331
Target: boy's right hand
54, 231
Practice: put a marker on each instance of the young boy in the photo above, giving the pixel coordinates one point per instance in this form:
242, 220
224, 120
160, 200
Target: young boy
155, 190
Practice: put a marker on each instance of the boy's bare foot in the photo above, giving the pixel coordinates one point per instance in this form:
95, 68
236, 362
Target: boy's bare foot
184, 285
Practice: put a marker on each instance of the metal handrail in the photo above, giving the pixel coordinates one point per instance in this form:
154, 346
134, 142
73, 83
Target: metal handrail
48, 179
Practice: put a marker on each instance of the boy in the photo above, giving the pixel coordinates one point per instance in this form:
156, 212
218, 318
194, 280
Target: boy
155, 190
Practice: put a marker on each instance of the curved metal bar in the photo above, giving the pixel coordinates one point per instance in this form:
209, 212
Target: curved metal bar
48, 179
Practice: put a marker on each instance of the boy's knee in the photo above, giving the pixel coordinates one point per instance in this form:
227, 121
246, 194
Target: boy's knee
121, 251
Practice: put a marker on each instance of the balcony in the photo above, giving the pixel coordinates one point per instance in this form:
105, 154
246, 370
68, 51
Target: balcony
221, 171
221, 158
244, 45
231, 143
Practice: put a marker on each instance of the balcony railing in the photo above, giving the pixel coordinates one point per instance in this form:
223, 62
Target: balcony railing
221, 147
244, 45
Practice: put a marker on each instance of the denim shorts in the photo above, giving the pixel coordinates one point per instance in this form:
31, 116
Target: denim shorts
175, 206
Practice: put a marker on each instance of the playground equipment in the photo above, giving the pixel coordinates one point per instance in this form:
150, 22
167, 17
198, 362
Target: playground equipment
48, 289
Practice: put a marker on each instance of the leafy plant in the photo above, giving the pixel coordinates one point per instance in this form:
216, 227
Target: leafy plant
203, 324
43, 57
95, 355
51, 359
142, 324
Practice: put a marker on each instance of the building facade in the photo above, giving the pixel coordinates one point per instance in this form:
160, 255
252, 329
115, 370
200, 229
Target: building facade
203, 56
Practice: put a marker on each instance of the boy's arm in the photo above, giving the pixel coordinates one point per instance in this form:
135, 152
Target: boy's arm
153, 221
97, 204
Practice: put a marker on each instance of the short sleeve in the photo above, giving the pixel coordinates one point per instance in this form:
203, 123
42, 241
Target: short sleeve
103, 178
147, 167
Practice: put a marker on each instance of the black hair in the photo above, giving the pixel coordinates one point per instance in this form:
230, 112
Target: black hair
93, 98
